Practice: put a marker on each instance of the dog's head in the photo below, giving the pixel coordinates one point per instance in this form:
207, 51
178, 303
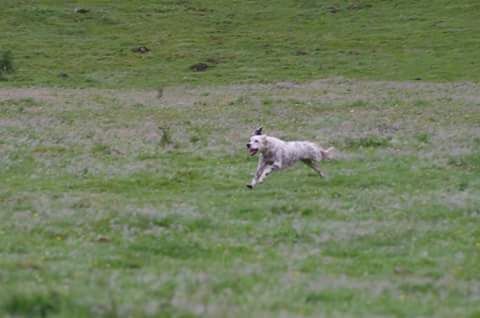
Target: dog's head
257, 142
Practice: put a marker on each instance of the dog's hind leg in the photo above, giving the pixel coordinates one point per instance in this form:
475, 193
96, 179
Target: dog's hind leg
314, 165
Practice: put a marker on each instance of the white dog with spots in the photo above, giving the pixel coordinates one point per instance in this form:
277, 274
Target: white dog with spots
277, 154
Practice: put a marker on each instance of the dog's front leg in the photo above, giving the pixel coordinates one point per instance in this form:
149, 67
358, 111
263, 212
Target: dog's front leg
266, 171
260, 169
269, 168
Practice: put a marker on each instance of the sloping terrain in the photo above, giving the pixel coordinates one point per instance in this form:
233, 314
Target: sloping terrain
123, 163
56, 43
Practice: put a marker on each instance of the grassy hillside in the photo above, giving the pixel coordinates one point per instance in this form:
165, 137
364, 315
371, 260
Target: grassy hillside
123, 173
241, 41
120, 204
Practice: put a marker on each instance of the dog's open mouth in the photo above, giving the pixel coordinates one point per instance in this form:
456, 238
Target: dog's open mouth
252, 151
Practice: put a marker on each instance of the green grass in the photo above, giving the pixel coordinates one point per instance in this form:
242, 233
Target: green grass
120, 204
241, 41
123, 174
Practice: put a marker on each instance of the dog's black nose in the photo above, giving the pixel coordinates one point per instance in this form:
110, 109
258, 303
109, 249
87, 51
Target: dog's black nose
248, 145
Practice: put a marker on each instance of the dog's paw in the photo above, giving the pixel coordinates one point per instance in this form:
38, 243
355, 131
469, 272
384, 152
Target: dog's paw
249, 186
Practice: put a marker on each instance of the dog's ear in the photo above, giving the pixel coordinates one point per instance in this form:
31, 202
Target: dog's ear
258, 131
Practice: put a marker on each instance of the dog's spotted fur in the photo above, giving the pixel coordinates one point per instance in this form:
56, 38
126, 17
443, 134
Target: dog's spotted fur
277, 154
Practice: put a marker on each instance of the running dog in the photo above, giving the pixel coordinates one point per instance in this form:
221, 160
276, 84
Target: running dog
277, 154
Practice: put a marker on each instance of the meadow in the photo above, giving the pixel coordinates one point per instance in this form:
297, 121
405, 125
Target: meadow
120, 203
239, 41
123, 173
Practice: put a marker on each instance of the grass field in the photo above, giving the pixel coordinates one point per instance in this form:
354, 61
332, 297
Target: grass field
123, 173
242, 41
118, 203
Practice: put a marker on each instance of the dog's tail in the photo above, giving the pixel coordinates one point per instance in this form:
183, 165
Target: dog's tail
327, 153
